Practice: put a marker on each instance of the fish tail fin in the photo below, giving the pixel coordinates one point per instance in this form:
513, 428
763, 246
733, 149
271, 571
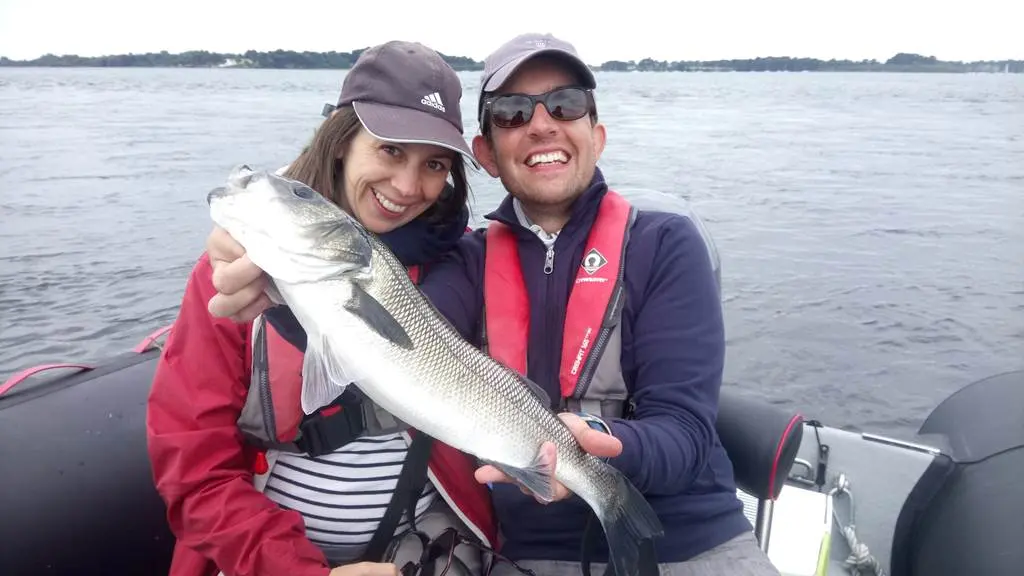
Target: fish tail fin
628, 525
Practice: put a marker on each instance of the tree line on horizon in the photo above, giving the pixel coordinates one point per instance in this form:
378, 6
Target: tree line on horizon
289, 59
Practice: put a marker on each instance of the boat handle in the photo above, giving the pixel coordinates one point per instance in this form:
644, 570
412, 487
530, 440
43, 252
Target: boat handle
28, 372
149, 341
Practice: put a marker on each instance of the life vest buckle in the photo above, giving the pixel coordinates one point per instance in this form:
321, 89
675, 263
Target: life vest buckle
332, 426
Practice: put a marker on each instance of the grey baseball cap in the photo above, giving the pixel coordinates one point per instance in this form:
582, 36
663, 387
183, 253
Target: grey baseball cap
405, 92
504, 61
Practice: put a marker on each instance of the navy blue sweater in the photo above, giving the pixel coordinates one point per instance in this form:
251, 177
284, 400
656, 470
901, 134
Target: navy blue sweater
672, 358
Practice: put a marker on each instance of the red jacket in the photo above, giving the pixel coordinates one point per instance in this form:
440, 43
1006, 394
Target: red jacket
203, 468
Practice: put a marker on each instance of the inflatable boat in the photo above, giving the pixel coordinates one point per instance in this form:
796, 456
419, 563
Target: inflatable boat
77, 496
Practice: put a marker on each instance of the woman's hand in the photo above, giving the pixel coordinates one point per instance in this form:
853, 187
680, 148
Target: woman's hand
240, 284
366, 569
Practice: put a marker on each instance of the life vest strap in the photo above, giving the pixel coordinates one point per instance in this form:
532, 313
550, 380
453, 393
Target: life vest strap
332, 426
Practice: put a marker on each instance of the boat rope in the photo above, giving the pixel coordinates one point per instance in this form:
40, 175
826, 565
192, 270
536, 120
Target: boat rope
860, 562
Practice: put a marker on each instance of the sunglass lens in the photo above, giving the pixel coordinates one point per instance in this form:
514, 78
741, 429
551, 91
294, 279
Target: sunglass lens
567, 104
511, 111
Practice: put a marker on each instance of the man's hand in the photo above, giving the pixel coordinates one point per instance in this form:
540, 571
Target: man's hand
593, 441
240, 284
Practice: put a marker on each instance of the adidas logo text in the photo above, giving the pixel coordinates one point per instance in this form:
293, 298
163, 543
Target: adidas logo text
433, 100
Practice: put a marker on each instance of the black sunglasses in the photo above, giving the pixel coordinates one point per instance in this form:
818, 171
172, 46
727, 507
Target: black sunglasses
567, 103
443, 547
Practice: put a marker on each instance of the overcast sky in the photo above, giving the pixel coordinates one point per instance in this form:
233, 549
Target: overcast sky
947, 29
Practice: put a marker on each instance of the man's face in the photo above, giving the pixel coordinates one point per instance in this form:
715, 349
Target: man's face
545, 162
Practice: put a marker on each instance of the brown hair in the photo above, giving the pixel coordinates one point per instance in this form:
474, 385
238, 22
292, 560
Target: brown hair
321, 167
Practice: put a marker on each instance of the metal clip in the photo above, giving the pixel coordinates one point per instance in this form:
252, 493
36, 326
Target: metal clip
842, 486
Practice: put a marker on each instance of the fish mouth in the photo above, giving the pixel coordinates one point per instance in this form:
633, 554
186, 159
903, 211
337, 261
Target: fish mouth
216, 194
239, 178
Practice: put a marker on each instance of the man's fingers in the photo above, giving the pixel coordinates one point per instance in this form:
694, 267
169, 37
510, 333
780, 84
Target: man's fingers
230, 277
600, 444
592, 441
488, 473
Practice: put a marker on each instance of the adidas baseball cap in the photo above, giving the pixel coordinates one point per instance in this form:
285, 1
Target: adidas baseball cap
405, 92
504, 61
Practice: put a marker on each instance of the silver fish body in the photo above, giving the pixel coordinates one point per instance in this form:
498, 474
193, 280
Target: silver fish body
367, 323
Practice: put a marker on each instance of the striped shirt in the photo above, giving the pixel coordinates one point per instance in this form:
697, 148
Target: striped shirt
342, 496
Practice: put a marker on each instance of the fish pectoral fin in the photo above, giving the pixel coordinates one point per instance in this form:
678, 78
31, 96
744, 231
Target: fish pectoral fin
324, 377
539, 476
377, 317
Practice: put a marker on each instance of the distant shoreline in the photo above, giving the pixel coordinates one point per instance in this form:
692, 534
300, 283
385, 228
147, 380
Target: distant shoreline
290, 60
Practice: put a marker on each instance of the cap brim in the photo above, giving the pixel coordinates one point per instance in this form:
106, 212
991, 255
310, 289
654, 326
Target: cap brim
408, 126
503, 73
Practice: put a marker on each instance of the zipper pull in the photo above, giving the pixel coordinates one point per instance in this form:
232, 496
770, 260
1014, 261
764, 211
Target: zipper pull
549, 260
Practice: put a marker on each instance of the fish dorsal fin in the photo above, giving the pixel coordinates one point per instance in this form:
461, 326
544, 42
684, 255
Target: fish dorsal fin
377, 317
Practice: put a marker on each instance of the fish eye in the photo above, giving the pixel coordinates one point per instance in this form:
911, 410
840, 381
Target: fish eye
304, 192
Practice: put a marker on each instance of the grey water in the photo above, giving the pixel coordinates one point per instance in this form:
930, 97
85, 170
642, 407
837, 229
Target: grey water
871, 226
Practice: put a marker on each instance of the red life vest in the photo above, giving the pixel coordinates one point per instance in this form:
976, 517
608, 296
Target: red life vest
590, 377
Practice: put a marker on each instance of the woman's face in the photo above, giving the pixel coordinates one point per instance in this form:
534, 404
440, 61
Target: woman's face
388, 184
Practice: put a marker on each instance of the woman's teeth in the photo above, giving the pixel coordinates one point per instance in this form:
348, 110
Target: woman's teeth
391, 206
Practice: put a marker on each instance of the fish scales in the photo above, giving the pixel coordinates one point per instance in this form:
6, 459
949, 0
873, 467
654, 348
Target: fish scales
454, 365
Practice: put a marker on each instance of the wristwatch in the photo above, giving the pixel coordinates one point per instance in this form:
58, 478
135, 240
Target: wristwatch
595, 422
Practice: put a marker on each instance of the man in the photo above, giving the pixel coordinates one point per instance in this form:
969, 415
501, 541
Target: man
624, 329
541, 136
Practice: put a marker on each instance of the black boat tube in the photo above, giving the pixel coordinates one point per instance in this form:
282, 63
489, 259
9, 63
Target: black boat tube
76, 491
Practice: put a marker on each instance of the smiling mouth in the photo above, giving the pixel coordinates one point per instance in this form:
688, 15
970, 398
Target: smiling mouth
547, 159
388, 204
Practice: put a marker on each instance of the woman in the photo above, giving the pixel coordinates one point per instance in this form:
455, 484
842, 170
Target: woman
252, 485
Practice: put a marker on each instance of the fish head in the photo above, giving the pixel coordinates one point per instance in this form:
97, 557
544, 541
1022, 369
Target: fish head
289, 230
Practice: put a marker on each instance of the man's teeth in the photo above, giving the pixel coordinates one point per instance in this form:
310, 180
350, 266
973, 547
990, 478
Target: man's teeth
547, 158
388, 203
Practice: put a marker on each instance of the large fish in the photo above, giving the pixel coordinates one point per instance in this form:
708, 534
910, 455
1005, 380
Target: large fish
367, 323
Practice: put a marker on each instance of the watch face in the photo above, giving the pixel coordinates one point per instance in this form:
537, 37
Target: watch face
595, 422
